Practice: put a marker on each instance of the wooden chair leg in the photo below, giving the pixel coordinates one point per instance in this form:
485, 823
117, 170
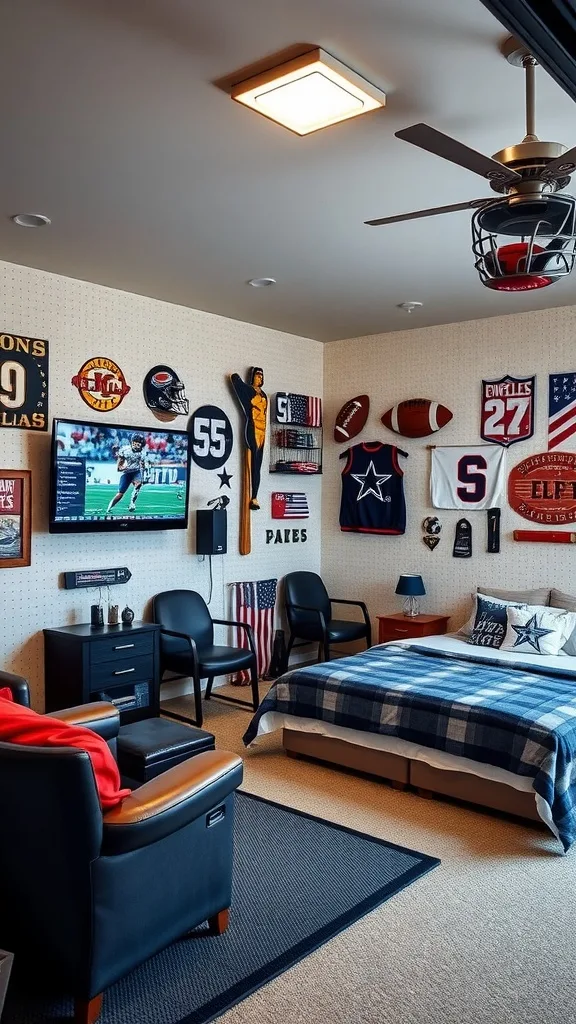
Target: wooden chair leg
87, 1011
219, 923
208, 689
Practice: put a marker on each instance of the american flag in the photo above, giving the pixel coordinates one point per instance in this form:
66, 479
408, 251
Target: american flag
562, 411
254, 603
304, 410
289, 506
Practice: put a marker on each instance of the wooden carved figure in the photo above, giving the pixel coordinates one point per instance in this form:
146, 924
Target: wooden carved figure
254, 405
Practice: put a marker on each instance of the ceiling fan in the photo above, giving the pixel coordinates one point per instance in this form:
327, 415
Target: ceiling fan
528, 176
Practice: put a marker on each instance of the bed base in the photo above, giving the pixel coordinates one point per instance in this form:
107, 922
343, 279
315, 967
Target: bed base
401, 771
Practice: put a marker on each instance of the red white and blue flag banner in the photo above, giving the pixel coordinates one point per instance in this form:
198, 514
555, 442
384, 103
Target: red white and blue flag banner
289, 505
254, 604
562, 412
302, 410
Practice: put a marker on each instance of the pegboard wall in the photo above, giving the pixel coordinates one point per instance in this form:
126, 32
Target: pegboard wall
446, 364
80, 320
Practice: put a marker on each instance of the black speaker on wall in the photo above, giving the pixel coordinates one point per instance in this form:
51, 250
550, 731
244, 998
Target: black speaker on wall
211, 531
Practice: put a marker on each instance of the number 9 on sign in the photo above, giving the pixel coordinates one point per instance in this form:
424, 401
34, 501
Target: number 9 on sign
211, 437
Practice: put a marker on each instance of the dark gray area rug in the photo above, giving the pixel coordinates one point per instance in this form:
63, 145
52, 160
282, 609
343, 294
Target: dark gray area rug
298, 881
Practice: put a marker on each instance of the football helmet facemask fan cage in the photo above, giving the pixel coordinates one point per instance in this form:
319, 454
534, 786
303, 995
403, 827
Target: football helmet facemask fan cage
163, 390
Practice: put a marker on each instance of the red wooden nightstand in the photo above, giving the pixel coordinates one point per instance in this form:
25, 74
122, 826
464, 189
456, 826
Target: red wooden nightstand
404, 627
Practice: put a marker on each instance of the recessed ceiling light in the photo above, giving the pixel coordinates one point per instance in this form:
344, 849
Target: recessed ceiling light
31, 220
310, 92
261, 282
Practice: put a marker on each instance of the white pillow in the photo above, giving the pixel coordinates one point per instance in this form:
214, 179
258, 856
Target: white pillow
534, 630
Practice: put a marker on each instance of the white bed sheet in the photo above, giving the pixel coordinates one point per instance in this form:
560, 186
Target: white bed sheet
452, 643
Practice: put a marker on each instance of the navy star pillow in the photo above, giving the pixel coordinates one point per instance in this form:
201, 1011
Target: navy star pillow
490, 624
537, 632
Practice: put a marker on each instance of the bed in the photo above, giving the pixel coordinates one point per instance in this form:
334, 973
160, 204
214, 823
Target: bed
487, 726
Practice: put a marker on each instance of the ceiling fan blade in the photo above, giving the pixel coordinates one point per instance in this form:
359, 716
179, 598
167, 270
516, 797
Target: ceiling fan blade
561, 165
427, 213
433, 141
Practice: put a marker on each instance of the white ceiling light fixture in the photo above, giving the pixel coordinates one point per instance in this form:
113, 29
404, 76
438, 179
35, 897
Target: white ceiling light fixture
261, 282
308, 93
31, 220
410, 307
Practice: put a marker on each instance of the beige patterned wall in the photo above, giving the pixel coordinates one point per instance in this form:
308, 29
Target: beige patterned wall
446, 364
80, 320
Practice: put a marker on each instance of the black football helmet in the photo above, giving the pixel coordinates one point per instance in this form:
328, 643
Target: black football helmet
138, 440
164, 390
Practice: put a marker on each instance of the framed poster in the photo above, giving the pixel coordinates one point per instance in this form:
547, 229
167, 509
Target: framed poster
15, 518
23, 382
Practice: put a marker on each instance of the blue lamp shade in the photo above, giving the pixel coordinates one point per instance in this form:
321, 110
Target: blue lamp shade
410, 585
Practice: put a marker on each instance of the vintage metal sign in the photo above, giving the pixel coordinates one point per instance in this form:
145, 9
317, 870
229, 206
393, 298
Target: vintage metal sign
96, 578
101, 384
507, 410
23, 382
542, 488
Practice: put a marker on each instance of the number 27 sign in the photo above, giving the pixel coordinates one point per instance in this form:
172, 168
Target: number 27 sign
507, 410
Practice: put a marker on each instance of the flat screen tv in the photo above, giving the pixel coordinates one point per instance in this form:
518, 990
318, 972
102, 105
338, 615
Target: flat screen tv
117, 478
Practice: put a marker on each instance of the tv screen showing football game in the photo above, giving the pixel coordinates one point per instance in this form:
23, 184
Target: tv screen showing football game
117, 478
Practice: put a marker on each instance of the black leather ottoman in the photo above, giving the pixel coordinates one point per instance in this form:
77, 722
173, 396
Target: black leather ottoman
148, 748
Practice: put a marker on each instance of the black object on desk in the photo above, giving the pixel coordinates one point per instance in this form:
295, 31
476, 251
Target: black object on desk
116, 663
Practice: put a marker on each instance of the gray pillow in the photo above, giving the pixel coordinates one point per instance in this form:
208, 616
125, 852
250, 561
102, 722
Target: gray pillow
566, 601
540, 596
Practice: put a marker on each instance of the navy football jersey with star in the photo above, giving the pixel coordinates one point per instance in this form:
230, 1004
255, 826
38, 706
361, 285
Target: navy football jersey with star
372, 490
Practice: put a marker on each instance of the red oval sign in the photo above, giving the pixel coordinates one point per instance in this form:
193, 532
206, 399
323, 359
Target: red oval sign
542, 488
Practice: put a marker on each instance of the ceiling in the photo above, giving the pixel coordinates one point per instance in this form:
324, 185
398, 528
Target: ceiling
157, 183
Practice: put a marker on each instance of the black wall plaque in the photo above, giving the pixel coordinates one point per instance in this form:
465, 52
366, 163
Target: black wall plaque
96, 578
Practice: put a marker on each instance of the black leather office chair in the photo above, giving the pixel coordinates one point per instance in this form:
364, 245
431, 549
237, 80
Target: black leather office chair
187, 647
84, 896
309, 613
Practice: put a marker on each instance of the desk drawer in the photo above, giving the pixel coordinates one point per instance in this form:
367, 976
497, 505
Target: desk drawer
116, 673
114, 648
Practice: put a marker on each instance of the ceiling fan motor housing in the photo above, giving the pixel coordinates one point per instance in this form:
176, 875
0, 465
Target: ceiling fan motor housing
524, 241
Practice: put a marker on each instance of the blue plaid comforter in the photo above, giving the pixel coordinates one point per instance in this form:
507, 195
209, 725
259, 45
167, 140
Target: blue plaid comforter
517, 718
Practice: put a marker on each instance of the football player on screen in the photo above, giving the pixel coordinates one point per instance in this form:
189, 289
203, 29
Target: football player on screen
132, 465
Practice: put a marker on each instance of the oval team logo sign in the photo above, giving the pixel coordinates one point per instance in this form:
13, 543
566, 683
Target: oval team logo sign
101, 384
542, 488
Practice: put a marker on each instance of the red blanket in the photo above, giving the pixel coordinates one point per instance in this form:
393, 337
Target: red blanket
22, 725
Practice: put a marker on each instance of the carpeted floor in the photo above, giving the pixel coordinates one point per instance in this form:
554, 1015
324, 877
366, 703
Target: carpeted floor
486, 938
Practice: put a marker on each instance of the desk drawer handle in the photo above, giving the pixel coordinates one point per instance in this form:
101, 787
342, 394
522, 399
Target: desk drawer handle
123, 647
123, 671
400, 630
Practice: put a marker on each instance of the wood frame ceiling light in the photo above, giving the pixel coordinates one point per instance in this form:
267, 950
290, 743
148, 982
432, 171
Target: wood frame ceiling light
309, 92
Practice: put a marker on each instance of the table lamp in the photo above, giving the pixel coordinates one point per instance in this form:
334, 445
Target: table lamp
411, 587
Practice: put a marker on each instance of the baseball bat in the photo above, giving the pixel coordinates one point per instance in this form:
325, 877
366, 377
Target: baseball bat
546, 536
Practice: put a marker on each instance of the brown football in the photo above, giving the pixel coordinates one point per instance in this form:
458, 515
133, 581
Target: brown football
417, 417
352, 418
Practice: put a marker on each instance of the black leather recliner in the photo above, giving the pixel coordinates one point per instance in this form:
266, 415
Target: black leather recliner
309, 613
187, 647
85, 896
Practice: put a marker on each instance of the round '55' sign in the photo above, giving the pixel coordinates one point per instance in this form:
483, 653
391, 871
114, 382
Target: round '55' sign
211, 437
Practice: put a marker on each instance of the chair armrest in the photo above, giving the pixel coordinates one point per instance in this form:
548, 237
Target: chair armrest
101, 716
242, 625
18, 686
171, 801
183, 636
359, 604
306, 608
